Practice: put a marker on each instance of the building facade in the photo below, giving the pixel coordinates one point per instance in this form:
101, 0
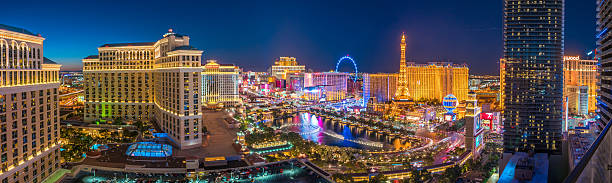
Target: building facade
579, 74
117, 85
29, 108
577, 99
382, 87
295, 82
533, 51
220, 84
284, 66
604, 57
325, 86
435, 80
473, 127
153, 81
502, 83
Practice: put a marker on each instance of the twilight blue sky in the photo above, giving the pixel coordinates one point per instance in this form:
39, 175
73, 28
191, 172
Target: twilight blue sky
252, 34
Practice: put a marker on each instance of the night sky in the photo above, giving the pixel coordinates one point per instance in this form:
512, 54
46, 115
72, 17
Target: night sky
252, 34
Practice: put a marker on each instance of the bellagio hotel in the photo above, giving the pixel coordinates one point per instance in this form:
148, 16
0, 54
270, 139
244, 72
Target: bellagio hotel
29, 119
150, 81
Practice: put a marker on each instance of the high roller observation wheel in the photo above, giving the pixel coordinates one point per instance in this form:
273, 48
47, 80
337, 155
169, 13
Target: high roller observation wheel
347, 57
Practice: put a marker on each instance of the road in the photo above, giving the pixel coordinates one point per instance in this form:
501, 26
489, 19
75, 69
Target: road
66, 94
455, 140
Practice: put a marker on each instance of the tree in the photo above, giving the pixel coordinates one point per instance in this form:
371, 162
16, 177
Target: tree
380, 178
451, 174
117, 121
342, 178
114, 134
419, 176
140, 125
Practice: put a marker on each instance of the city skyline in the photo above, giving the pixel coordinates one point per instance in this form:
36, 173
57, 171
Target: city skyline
316, 35
306, 91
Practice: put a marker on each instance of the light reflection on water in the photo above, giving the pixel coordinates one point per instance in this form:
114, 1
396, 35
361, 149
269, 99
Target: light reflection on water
309, 123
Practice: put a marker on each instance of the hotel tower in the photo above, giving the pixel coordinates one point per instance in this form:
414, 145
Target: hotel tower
533, 91
433, 80
151, 81
29, 113
220, 84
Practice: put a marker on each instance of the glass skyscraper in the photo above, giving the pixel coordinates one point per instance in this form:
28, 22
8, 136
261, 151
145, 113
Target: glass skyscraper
533, 51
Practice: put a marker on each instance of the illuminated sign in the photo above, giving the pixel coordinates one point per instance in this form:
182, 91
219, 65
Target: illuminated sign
478, 141
487, 124
450, 117
211, 66
486, 116
571, 58
450, 102
477, 125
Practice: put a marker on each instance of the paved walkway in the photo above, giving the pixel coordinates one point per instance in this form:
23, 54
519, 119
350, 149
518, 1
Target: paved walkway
220, 140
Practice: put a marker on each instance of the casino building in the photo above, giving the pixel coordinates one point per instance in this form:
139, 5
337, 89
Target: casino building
220, 84
435, 80
325, 86
382, 87
29, 112
151, 81
580, 84
284, 66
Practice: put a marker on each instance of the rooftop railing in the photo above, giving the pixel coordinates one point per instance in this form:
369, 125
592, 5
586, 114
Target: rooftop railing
585, 162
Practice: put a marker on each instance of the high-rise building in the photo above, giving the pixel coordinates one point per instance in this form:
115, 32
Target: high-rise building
117, 87
533, 91
429, 81
382, 87
220, 84
284, 66
325, 86
605, 61
157, 81
29, 111
435, 80
579, 74
365, 90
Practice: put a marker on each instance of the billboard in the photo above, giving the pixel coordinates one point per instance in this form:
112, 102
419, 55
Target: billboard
490, 120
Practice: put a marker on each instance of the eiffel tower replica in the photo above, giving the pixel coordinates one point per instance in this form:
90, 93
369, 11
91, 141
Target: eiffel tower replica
402, 96
402, 99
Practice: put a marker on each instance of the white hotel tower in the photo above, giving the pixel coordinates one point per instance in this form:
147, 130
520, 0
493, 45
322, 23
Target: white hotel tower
29, 119
151, 81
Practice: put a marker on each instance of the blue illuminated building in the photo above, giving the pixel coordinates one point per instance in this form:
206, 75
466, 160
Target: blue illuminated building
366, 91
